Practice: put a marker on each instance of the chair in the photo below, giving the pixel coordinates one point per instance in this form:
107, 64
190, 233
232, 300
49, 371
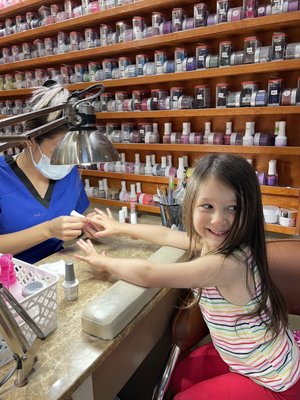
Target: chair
188, 328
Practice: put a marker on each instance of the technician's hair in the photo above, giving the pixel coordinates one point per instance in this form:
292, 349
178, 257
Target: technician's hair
248, 226
48, 95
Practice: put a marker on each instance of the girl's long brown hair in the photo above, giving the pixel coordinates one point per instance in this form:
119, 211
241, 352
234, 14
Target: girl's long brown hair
247, 228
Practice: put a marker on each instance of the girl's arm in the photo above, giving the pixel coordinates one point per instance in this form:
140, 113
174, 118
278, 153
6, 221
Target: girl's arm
156, 234
206, 271
63, 228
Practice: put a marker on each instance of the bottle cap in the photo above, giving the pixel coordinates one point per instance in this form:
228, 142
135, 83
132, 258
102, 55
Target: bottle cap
69, 272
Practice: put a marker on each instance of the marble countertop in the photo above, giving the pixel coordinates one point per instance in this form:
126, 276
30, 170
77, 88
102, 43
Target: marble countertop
68, 355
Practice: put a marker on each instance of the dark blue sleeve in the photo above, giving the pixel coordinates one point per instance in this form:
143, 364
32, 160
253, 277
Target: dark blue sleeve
83, 201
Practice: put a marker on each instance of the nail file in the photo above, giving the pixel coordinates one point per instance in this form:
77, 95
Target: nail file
76, 214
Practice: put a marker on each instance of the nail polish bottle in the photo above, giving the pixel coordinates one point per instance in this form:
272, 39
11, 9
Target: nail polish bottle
106, 188
167, 132
262, 177
272, 177
207, 131
195, 138
70, 284
163, 165
8, 276
228, 132
125, 212
133, 218
281, 139
170, 170
121, 217
154, 136
87, 187
169, 160
138, 190
118, 166
137, 163
123, 193
101, 191
123, 161
180, 169
148, 167
185, 162
155, 165
4, 272
248, 137
276, 129
186, 130
132, 199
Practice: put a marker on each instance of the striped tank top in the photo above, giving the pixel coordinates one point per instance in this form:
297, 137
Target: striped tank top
245, 345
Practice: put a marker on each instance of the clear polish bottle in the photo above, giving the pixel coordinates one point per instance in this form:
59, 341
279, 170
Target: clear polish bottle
281, 139
70, 284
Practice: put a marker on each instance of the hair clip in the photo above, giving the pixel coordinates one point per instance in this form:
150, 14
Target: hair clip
49, 83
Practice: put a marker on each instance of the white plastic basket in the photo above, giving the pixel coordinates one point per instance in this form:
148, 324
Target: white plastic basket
41, 306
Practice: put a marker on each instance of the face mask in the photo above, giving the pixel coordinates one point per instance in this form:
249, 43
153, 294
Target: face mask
54, 172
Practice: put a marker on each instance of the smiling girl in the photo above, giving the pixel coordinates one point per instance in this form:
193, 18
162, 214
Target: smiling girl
253, 355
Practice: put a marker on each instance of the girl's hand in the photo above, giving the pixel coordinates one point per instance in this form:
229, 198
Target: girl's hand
90, 254
66, 227
104, 223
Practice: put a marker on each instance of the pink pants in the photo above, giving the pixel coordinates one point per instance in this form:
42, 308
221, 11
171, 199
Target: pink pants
203, 375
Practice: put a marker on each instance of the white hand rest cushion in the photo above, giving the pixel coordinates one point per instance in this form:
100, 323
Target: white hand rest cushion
107, 314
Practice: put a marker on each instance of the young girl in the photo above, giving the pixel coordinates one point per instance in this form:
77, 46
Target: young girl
253, 355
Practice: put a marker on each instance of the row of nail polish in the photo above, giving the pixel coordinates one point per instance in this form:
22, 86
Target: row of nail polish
149, 167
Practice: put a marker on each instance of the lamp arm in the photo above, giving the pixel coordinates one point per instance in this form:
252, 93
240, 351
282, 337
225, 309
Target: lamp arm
30, 115
6, 141
79, 93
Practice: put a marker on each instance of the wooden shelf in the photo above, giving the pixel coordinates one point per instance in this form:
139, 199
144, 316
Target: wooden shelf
201, 148
124, 176
276, 228
204, 112
117, 203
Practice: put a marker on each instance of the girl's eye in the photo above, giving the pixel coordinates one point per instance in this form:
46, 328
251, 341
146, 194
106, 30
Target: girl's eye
207, 206
232, 208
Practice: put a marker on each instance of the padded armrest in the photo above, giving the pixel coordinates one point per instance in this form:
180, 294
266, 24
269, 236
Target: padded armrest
188, 327
107, 314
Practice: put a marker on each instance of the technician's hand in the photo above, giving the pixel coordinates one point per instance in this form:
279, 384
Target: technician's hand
104, 223
66, 227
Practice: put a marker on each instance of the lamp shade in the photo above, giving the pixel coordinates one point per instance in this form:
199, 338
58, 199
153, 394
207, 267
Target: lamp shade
84, 147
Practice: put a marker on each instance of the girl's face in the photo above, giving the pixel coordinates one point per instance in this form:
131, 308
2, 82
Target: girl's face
214, 212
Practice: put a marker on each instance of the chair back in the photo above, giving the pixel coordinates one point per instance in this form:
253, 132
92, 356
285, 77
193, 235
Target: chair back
284, 264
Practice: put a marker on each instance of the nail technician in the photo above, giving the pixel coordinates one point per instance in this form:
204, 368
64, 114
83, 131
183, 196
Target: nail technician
36, 198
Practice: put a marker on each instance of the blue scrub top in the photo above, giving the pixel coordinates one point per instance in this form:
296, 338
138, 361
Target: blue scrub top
21, 206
